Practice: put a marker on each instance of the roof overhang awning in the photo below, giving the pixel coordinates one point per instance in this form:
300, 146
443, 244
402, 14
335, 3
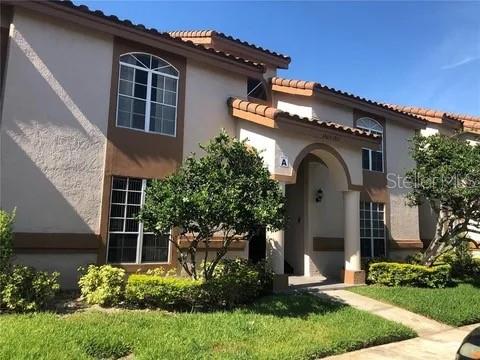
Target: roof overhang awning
274, 118
310, 88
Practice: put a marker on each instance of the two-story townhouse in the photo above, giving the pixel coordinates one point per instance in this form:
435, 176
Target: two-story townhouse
93, 107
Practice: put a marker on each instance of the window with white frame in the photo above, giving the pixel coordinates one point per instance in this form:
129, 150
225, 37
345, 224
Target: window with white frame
127, 241
372, 229
147, 94
371, 159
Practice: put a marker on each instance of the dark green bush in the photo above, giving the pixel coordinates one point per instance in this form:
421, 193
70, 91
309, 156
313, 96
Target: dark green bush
6, 237
461, 261
237, 282
234, 282
23, 289
399, 274
162, 292
103, 285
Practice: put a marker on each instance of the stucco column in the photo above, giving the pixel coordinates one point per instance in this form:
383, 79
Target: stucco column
276, 246
353, 271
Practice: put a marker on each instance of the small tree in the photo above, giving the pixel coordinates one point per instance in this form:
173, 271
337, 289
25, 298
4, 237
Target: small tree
227, 193
6, 238
447, 176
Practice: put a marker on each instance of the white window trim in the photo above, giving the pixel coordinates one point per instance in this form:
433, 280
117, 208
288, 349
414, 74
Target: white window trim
371, 237
138, 260
370, 151
370, 160
148, 100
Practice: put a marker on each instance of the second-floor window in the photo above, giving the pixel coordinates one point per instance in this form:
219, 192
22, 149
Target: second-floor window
371, 159
147, 94
256, 89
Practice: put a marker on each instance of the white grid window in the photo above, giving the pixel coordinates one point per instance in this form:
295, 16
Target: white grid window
147, 94
127, 242
371, 159
372, 229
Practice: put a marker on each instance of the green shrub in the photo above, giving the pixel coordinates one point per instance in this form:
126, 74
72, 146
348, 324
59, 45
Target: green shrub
24, 289
163, 292
397, 274
103, 285
6, 238
461, 261
234, 282
415, 258
237, 282
161, 272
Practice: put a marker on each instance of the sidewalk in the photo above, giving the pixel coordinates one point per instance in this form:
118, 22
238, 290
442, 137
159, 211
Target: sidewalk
436, 340
423, 326
442, 345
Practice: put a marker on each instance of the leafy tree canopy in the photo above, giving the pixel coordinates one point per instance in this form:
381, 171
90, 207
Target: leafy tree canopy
225, 193
447, 176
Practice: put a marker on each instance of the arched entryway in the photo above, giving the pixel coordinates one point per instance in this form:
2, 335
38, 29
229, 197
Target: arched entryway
323, 206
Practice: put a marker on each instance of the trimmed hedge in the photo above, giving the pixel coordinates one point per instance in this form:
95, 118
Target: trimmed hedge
235, 282
399, 274
155, 291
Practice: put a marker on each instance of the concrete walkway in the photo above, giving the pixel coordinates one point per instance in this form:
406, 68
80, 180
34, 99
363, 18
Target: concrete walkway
423, 326
442, 345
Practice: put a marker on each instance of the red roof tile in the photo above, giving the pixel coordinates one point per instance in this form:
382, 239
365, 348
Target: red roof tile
470, 122
311, 85
212, 33
274, 113
153, 31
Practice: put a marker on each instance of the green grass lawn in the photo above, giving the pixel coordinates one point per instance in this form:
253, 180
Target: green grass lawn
458, 305
276, 327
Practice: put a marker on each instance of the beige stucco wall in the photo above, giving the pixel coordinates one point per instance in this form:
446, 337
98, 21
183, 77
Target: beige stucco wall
53, 125
289, 145
325, 220
66, 264
309, 219
434, 129
398, 162
206, 110
297, 222
326, 216
314, 107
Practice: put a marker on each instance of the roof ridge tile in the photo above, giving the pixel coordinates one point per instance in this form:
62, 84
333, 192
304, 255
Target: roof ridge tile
208, 33
153, 31
312, 85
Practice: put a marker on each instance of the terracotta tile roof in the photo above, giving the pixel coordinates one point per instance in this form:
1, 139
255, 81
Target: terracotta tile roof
153, 31
315, 86
470, 122
274, 113
254, 108
213, 33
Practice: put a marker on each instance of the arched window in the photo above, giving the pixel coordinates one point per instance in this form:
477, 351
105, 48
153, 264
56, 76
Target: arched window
147, 94
371, 159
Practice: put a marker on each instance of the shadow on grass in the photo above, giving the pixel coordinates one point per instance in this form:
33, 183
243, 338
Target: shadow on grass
474, 281
297, 305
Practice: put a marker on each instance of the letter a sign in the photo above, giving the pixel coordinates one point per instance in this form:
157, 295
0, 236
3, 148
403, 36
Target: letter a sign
284, 161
